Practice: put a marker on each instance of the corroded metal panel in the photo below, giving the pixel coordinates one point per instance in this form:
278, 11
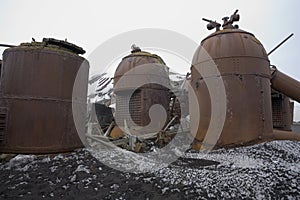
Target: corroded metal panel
282, 111
36, 88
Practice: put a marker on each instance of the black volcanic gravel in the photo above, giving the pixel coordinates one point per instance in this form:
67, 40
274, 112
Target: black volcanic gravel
264, 171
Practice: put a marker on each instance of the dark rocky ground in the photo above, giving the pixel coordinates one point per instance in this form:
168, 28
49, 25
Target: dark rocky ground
265, 171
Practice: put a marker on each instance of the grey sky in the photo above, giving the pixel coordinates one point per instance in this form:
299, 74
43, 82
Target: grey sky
89, 23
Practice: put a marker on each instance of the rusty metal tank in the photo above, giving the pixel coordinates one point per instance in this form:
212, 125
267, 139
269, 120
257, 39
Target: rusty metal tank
36, 97
142, 98
243, 65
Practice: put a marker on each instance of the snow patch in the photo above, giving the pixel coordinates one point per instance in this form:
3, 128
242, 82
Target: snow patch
82, 168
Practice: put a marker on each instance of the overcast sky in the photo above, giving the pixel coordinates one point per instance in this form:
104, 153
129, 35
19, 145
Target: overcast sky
89, 23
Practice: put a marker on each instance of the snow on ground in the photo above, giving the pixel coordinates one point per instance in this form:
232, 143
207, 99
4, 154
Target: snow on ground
263, 171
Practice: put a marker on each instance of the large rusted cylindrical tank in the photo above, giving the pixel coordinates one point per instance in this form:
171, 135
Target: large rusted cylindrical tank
36, 97
243, 65
135, 71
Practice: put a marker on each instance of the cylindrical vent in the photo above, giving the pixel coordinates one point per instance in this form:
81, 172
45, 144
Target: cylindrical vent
285, 84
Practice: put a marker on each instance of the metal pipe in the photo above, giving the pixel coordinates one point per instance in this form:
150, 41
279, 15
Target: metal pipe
285, 84
111, 144
170, 122
7, 45
285, 135
109, 129
280, 43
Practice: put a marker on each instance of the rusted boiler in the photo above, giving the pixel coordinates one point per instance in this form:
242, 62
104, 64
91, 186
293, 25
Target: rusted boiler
36, 97
140, 81
243, 66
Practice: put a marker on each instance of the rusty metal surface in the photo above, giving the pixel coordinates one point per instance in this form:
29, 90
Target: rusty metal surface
155, 74
282, 111
135, 107
285, 84
36, 90
135, 59
144, 96
286, 135
244, 67
3, 124
139, 105
0, 72
64, 44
